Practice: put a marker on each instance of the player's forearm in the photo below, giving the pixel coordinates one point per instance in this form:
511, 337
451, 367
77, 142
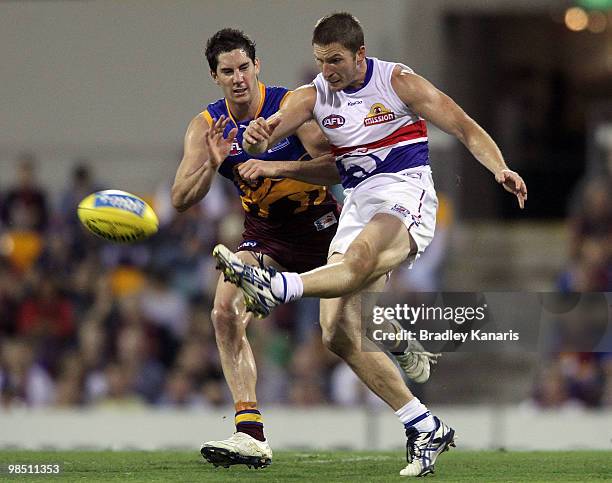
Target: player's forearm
190, 189
253, 149
483, 148
321, 170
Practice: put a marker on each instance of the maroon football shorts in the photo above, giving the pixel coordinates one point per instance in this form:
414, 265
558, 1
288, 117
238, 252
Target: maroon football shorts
299, 242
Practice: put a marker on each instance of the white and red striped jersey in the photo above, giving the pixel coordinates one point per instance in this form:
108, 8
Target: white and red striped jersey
371, 130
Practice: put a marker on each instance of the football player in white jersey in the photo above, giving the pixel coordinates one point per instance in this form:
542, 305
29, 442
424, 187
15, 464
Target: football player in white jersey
373, 112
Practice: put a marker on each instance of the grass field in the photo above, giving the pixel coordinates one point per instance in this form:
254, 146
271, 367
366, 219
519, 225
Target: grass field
184, 466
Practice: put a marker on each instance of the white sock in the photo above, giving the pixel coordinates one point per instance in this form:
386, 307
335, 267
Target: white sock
287, 286
415, 414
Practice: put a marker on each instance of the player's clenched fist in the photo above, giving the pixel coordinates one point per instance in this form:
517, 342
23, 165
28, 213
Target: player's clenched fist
253, 169
256, 137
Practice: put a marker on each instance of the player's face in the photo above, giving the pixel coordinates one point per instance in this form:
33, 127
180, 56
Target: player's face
340, 67
237, 76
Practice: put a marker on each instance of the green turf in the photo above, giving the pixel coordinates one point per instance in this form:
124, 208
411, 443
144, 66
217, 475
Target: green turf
322, 467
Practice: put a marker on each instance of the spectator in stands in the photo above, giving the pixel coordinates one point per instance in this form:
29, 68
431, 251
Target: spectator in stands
606, 362
199, 360
94, 353
70, 380
551, 389
23, 381
592, 217
11, 290
47, 314
179, 391
309, 366
136, 357
163, 306
119, 393
81, 185
25, 205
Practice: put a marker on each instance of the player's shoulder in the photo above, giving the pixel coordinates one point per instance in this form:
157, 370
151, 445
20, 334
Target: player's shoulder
274, 96
200, 122
217, 108
275, 91
212, 111
397, 69
402, 75
304, 92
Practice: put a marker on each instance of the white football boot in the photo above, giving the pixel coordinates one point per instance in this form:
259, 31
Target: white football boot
254, 282
422, 448
415, 361
238, 449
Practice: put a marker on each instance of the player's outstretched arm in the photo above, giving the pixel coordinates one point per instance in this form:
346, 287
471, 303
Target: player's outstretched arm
204, 151
438, 108
321, 170
262, 134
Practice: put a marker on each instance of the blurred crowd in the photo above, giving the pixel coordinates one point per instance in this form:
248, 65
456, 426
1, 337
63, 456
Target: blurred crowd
88, 323
584, 379
84, 322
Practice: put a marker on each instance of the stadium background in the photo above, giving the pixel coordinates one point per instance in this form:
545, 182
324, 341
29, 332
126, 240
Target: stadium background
97, 338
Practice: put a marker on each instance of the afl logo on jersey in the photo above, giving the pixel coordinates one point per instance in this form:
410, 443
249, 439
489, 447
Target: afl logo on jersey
333, 121
378, 114
236, 149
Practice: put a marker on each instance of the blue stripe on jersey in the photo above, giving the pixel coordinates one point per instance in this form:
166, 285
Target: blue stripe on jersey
356, 168
369, 71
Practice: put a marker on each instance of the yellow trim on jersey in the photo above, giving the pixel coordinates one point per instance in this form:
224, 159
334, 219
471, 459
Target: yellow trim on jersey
229, 113
206, 115
282, 101
262, 98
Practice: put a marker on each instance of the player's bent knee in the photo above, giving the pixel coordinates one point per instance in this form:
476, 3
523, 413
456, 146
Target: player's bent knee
361, 260
226, 322
339, 341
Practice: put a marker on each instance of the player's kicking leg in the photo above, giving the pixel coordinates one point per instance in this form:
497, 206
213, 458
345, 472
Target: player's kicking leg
381, 246
260, 299
248, 444
265, 288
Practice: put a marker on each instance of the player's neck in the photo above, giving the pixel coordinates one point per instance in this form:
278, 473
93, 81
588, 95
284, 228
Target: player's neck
362, 72
242, 112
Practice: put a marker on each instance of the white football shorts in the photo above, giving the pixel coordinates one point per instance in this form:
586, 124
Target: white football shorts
408, 195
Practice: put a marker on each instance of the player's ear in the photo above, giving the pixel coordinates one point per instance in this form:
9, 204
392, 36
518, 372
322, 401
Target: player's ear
214, 77
257, 65
361, 54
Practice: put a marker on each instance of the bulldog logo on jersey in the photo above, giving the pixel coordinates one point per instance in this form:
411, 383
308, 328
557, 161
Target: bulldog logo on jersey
333, 121
378, 114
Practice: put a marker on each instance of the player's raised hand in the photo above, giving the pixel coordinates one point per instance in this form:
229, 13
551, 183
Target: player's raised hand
218, 146
253, 169
256, 137
513, 183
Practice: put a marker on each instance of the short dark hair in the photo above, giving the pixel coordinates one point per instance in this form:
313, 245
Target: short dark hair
226, 40
339, 27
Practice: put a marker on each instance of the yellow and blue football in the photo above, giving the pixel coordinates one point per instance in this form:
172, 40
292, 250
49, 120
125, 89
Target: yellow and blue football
117, 216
